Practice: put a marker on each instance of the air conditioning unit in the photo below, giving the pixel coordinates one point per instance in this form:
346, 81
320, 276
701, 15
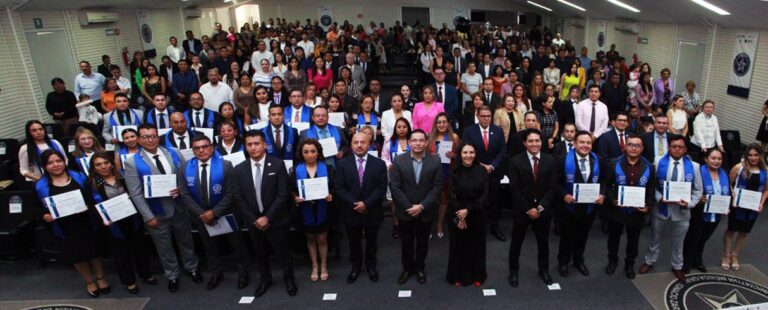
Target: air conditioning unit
578, 23
193, 13
627, 26
96, 17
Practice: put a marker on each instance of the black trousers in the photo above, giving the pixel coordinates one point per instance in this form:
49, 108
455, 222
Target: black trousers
213, 255
276, 237
574, 232
356, 256
615, 229
414, 241
519, 228
494, 207
130, 252
696, 238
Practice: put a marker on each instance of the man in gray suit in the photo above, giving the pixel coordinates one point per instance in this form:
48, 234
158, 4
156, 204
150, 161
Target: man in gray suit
416, 179
358, 75
163, 216
122, 115
675, 166
203, 189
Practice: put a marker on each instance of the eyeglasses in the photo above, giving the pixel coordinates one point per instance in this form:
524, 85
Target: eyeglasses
676, 146
149, 137
621, 120
484, 116
200, 147
634, 145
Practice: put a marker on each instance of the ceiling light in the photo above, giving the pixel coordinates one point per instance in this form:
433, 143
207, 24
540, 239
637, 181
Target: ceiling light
572, 5
624, 5
711, 7
539, 5
227, 1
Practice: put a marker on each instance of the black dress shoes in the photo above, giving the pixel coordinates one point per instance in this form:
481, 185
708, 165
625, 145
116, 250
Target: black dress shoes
150, 281
701, 268
196, 276
421, 276
563, 270
545, 277
629, 271
513, 280
582, 269
403, 277
214, 282
373, 274
173, 285
352, 277
134, 290
290, 287
243, 281
496, 232
611, 268
262, 288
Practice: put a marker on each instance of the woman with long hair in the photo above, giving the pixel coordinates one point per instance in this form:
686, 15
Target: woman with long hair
469, 117
389, 117
644, 93
280, 66
311, 99
522, 102
243, 96
152, 84
678, 118
441, 133
409, 100
128, 147
86, 144
425, 112
258, 112
227, 114
232, 79
509, 117
36, 141
319, 75
367, 116
498, 78
108, 95
394, 145
537, 85
569, 79
295, 78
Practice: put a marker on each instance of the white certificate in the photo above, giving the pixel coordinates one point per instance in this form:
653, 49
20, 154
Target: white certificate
632, 196
336, 119
374, 153
66, 204
676, 191
159, 185
208, 132
257, 126
117, 131
300, 126
313, 189
163, 131
747, 199
235, 158
188, 154
586, 192
442, 149
329, 147
717, 204
223, 225
116, 208
288, 164
107, 146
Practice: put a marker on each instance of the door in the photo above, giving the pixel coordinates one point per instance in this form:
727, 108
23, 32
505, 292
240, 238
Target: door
413, 14
45, 47
690, 57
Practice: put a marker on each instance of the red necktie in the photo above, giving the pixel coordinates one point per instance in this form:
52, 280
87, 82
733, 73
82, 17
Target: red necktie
485, 139
621, 142
535, 169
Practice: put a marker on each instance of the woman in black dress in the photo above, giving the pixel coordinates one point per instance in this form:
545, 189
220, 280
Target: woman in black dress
469, 189
750, 174
75, 232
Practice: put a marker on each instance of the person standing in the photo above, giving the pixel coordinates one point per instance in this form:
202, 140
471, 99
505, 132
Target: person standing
613, 143
673, 167
60, 104
214, 92
89, 83
198, 116
164, 217
592, 114
416, 181
122, 115
282, 140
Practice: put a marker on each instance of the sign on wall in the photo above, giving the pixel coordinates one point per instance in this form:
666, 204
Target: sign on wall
145, 34
601, 33
325, 14
742, 63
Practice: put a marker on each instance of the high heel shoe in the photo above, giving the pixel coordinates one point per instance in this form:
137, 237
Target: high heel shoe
324, 274
313, 276
735, 262
103, 290
94, 293
726, 262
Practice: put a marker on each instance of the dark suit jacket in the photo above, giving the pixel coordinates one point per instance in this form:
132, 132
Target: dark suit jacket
198, 45
648, 151
162, 69
608, 144
527, 194
106, 72
611, 211
274, 191
560, 148
281, 152
406, 192
609, 92
483, 72
462, 61
167, 138
561, 191
450, 100
235, 147
494, 103
497, 150
565, 113
348, 190
371, 70
350, 105
220, 209
284, 98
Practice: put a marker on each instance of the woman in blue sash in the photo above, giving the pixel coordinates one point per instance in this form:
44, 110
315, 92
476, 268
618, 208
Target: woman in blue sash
127, 235
334, 106
86, 144
128, 147
229, 142
366, 115
259, 111
442, 131
227, 114
750, 174
703, 224
76, 233
314, 213
36, 141
395, 145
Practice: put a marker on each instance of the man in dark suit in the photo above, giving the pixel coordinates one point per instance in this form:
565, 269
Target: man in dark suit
203, 187
282, 140
348, 103
192, 46
197, 115
566, 109
460, 63
488, 140
380, 102
634, 171
612, 144
486, 68
516, 142
260, 189
180, 136
492, 100
360, 183
656, 141
106, 66
370, 69
448, 95
531, 184
167, 69
615, 94
567, 143
278, 94
416, 181
579, 167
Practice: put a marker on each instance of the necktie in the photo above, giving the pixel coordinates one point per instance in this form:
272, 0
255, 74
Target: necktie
570, 146
122, 118
488, 99
197, 119
592, 119
458, 64
621, 142
257, 186
364, 66
297, 117
323, 133
440, 93
182, 144
204, 185
360, 171
277, 98
584, 172
485, 139
159, 164
674, 172
535, 168
278, 141
161, 120
661, 145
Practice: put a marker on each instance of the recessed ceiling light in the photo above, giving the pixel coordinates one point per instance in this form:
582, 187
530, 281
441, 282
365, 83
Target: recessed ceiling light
539, 5
711, 7
572, 5
624, 5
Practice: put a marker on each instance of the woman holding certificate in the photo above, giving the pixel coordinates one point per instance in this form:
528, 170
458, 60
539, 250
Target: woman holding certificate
749, 175
61, 192
443, 143
314, 212
86, 145
395, 145
104, 184
128, 147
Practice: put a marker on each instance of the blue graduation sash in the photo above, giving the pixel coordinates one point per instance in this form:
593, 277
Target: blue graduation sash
42, 187
135, 121
142, 168
207, 114
114, 229
374, 119
661, 174
314, 133
287, 144
305, 114
123, 152
709, 189
621, 179
742, 214
306, 208
84, 163
151, 117
394, 148
215, 187
570, 178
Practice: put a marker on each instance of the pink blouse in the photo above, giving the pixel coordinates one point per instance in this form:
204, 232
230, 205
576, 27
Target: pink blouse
423, 119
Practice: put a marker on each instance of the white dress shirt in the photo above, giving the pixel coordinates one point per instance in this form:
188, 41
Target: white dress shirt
587, 169
174, 53
257, 56
275, 134
308, 47
165, 115
214, 96
226, 147
706, 131
177, 137
166, 164
584, 115
530, 159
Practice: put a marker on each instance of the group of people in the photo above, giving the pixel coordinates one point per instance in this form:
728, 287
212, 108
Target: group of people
495, 119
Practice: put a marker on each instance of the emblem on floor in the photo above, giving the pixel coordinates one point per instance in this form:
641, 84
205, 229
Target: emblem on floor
714, 291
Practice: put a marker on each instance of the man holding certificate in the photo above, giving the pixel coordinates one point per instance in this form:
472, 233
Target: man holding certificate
203, 187
579, 174
678, 188
282, 140
331, 138
122, 115
150, 176
179, 137
629, 181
